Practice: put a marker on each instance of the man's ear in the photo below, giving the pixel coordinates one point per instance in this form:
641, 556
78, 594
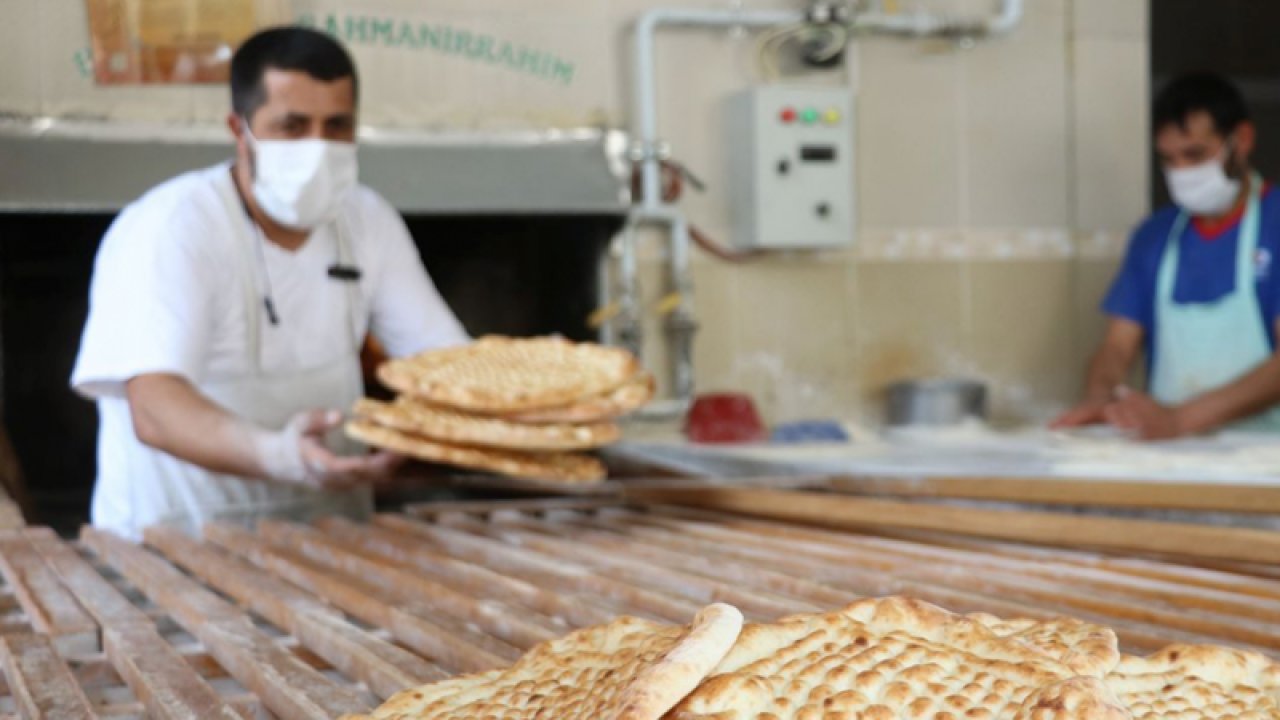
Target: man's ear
1245, 140
237, 125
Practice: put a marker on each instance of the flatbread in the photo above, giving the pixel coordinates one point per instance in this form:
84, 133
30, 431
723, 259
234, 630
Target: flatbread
1198, 682
632, 396
500, 374
551, 467
881, 659
418, 418
629, 669
1083, 647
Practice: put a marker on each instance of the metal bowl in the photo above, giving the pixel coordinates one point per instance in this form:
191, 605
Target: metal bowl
940, 401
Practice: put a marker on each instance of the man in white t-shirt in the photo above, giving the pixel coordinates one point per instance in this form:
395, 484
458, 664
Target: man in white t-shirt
228, 306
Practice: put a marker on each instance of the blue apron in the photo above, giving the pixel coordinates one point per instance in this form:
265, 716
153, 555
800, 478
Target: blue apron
1203, 346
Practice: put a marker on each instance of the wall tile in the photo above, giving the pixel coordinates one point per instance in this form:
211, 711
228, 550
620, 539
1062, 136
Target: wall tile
1015, 125
909, 126
1112, 141
1111, 18
1025, 338
911, 319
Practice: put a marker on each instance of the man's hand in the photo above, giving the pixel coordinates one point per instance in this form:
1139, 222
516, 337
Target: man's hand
1139, 413
1108, 368
298, 455
1089, 412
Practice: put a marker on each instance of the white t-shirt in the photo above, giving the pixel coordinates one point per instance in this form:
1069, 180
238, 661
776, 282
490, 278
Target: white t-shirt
169, 296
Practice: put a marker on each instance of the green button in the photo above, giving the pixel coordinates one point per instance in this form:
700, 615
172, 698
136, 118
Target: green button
809, 116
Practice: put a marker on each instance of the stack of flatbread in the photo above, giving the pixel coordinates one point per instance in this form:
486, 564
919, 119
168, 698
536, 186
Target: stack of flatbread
519, 407
877, 659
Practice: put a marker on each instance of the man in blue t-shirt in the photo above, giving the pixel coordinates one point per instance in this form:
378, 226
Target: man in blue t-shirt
1198, 292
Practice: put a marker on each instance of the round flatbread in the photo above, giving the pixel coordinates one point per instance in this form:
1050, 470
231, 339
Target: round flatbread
551, 467
629, 669
898, 657
416, 417
628, 398
497, 375
1202, 682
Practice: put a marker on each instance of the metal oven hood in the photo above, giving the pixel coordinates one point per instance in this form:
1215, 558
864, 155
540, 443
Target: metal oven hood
65, 166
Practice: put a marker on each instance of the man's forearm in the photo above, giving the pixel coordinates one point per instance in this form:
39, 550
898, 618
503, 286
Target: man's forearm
1258, 390
1108, 369
172, 416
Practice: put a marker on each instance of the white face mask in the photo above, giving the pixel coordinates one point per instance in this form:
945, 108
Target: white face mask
302, 183
1203, 189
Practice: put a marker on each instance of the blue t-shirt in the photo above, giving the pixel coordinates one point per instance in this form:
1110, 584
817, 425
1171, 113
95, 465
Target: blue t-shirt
1206, 268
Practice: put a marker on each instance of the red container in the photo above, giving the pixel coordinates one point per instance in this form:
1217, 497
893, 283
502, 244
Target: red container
721, 418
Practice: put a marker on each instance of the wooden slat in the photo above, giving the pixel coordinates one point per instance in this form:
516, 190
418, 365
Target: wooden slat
290, 688
50, 607
692, 558
269, 596
318, 626
755, 604
540, 570
831, 510
1182, 575
385, 668
287, 686
521, 628
156, 673
1013, 582
475, 579
979, 557
96, 595
1179, 596
431, 509
190, 604
1066, 491
962, 592
42, 686
453, 646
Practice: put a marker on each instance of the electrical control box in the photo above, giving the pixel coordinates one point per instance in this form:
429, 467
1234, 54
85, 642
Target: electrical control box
791, 167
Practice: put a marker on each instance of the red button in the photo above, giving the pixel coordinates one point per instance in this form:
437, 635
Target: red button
788, 115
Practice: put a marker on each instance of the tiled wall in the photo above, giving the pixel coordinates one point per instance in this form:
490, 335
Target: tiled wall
997, 187
996, 184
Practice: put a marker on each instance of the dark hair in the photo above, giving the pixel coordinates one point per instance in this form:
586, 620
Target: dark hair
285, 48
1199, 92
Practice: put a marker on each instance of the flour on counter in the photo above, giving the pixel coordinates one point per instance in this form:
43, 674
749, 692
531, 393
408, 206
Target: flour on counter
1225, 456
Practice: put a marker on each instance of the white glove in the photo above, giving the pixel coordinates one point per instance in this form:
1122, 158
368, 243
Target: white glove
280, 453
297, 455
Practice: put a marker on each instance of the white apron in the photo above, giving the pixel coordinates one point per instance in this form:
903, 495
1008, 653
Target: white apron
185, 496
1202, 346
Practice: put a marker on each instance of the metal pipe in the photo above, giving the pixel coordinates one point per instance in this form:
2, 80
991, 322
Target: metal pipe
630, 333
681, 323
645, 109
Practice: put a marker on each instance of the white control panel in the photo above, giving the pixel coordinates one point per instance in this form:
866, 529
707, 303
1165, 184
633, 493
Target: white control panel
791, 167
